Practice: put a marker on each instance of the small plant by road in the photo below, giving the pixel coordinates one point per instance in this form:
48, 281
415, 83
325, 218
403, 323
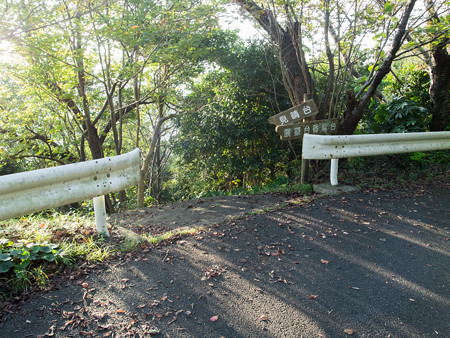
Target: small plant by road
21, 263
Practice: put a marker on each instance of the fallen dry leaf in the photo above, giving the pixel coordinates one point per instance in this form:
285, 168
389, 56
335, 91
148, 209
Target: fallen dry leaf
97, 315
153, 331
105, 327
171, 321
134, 321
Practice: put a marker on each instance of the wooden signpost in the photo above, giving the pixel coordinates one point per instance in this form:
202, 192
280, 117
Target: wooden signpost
297, 130
305, 110
289, 129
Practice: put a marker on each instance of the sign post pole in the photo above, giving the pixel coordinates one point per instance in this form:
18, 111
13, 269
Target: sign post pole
295, 122
304, 175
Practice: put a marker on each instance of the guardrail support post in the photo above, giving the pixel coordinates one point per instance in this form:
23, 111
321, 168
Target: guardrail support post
100, 215
334, 171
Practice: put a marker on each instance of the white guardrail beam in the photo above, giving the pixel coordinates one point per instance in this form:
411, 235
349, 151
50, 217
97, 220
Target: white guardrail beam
325, 147
28, 192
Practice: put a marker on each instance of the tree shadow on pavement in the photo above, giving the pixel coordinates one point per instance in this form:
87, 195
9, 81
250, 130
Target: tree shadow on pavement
364, 264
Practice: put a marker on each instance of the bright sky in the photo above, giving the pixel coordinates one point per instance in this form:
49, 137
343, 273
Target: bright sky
5, 53
235, 20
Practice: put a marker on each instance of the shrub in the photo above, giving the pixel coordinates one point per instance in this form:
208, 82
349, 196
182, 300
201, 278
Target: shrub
21, 264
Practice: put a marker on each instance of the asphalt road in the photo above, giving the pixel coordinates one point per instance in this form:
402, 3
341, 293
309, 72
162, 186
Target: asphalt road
372, 264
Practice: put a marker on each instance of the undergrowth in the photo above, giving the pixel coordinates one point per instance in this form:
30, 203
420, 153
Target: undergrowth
32, 248
281, 184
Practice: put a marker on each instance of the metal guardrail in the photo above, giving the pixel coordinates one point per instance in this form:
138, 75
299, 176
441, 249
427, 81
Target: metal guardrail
28, 192
319, 147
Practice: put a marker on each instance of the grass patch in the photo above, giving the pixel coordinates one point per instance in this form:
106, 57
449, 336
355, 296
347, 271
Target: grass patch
35, 247
32, 248
280, 185
93, 250
49, 227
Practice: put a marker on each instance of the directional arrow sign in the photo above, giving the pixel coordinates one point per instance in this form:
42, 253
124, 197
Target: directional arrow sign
296, 131
302, 111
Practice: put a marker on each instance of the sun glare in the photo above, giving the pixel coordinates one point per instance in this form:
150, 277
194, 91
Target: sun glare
234, 19
6, 52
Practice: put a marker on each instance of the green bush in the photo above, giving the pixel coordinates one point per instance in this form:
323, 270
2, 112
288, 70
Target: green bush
21, 264
398, 116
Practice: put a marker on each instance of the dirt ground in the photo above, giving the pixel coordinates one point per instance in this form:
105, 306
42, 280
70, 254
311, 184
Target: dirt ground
195, 213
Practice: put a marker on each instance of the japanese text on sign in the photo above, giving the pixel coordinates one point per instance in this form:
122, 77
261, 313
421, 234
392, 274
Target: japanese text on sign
296, 131
307, 109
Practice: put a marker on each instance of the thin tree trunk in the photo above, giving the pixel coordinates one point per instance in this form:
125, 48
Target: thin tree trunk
149, 157
331, 75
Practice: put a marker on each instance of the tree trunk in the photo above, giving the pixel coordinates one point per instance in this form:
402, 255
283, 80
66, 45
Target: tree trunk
296, 76
155, 181
148, 158
440, 87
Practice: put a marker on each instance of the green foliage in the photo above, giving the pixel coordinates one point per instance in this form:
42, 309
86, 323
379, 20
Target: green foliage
8, 166
408, 79
424, 160
26, 255
283, 185
407, 106
398, 116
21, 263
280, 184
225, 141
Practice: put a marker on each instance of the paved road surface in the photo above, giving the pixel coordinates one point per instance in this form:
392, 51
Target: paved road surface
373, 264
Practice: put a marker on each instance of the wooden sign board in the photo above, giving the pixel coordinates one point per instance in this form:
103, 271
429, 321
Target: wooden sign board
296, 131
302, 111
